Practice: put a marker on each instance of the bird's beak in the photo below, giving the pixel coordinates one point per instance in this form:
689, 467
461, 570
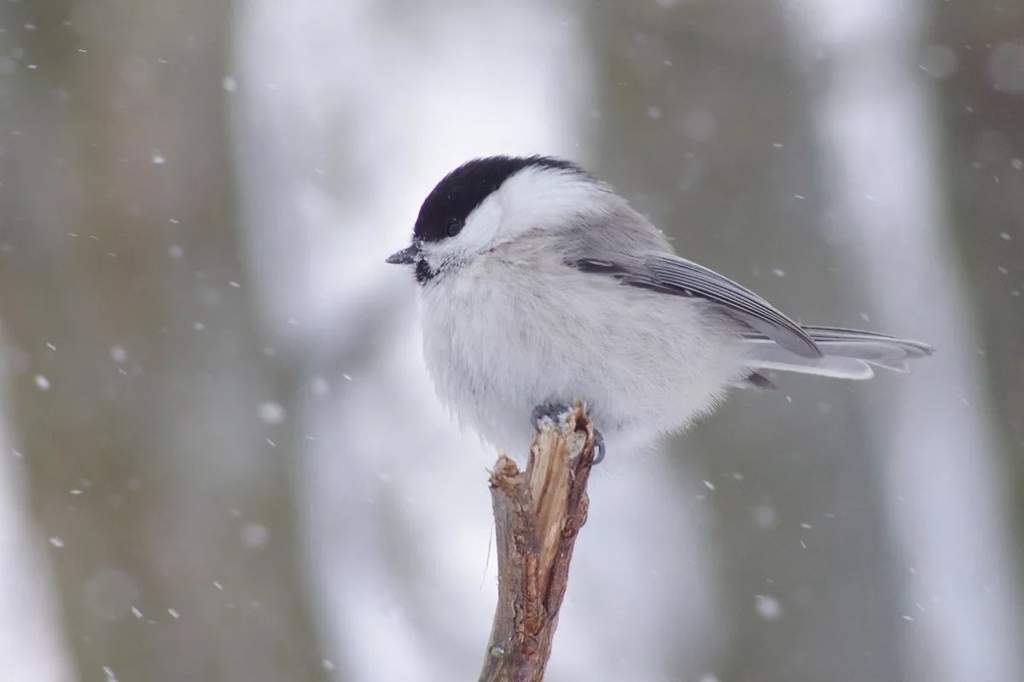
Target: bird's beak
405, 256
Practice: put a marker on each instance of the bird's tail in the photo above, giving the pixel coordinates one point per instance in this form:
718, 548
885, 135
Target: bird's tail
847, 353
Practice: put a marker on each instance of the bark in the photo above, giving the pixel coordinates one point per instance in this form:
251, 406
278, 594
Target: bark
537, 516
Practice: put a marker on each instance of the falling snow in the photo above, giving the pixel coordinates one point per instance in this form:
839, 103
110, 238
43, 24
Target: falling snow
271, 412
255, 535
768, 607
194, 381
118, 354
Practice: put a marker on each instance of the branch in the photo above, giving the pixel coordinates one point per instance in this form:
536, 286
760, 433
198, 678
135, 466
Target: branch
537, 515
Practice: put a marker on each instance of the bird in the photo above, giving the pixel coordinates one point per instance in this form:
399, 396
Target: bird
541, 286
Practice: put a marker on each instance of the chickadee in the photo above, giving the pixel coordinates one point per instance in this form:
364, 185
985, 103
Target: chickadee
542, 286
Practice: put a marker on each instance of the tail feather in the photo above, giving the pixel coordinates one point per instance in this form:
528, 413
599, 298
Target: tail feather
848, 353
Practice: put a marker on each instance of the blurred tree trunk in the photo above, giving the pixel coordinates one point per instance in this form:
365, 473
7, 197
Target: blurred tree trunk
704, 126
943, 471
984, 174
137, 373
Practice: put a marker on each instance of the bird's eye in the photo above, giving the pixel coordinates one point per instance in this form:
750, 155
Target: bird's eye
454, 225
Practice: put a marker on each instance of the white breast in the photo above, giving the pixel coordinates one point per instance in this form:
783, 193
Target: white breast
516, 328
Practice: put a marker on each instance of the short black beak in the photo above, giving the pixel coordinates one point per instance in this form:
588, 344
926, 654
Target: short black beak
405, 256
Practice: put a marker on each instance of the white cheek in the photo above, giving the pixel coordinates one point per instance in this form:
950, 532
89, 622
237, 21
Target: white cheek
481, 227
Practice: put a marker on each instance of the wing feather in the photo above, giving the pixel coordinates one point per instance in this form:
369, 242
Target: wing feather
676, 276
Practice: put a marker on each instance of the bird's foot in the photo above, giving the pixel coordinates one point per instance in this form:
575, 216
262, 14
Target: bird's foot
555, 412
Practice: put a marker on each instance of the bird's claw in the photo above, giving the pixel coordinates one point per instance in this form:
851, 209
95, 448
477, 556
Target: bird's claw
552, 412
555, 412
599, 448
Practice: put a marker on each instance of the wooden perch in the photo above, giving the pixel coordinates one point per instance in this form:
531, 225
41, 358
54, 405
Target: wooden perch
537, 515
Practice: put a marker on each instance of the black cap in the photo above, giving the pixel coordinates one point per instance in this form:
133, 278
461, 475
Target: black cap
446, 208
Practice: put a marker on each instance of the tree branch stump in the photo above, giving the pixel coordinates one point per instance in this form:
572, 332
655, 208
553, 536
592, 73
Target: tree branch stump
537, 516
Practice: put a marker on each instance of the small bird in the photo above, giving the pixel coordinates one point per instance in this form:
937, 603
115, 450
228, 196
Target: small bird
541, 286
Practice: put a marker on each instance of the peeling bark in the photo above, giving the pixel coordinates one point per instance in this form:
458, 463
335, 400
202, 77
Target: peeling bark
537, 516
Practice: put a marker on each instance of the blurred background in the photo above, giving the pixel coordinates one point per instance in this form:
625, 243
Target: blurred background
221, 457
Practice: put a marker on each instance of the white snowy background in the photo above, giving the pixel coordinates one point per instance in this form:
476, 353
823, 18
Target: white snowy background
221, 457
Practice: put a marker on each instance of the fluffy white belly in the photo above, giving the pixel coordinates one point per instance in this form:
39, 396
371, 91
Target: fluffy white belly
500, 339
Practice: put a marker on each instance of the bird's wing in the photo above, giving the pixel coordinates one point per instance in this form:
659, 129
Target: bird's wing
669, 274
